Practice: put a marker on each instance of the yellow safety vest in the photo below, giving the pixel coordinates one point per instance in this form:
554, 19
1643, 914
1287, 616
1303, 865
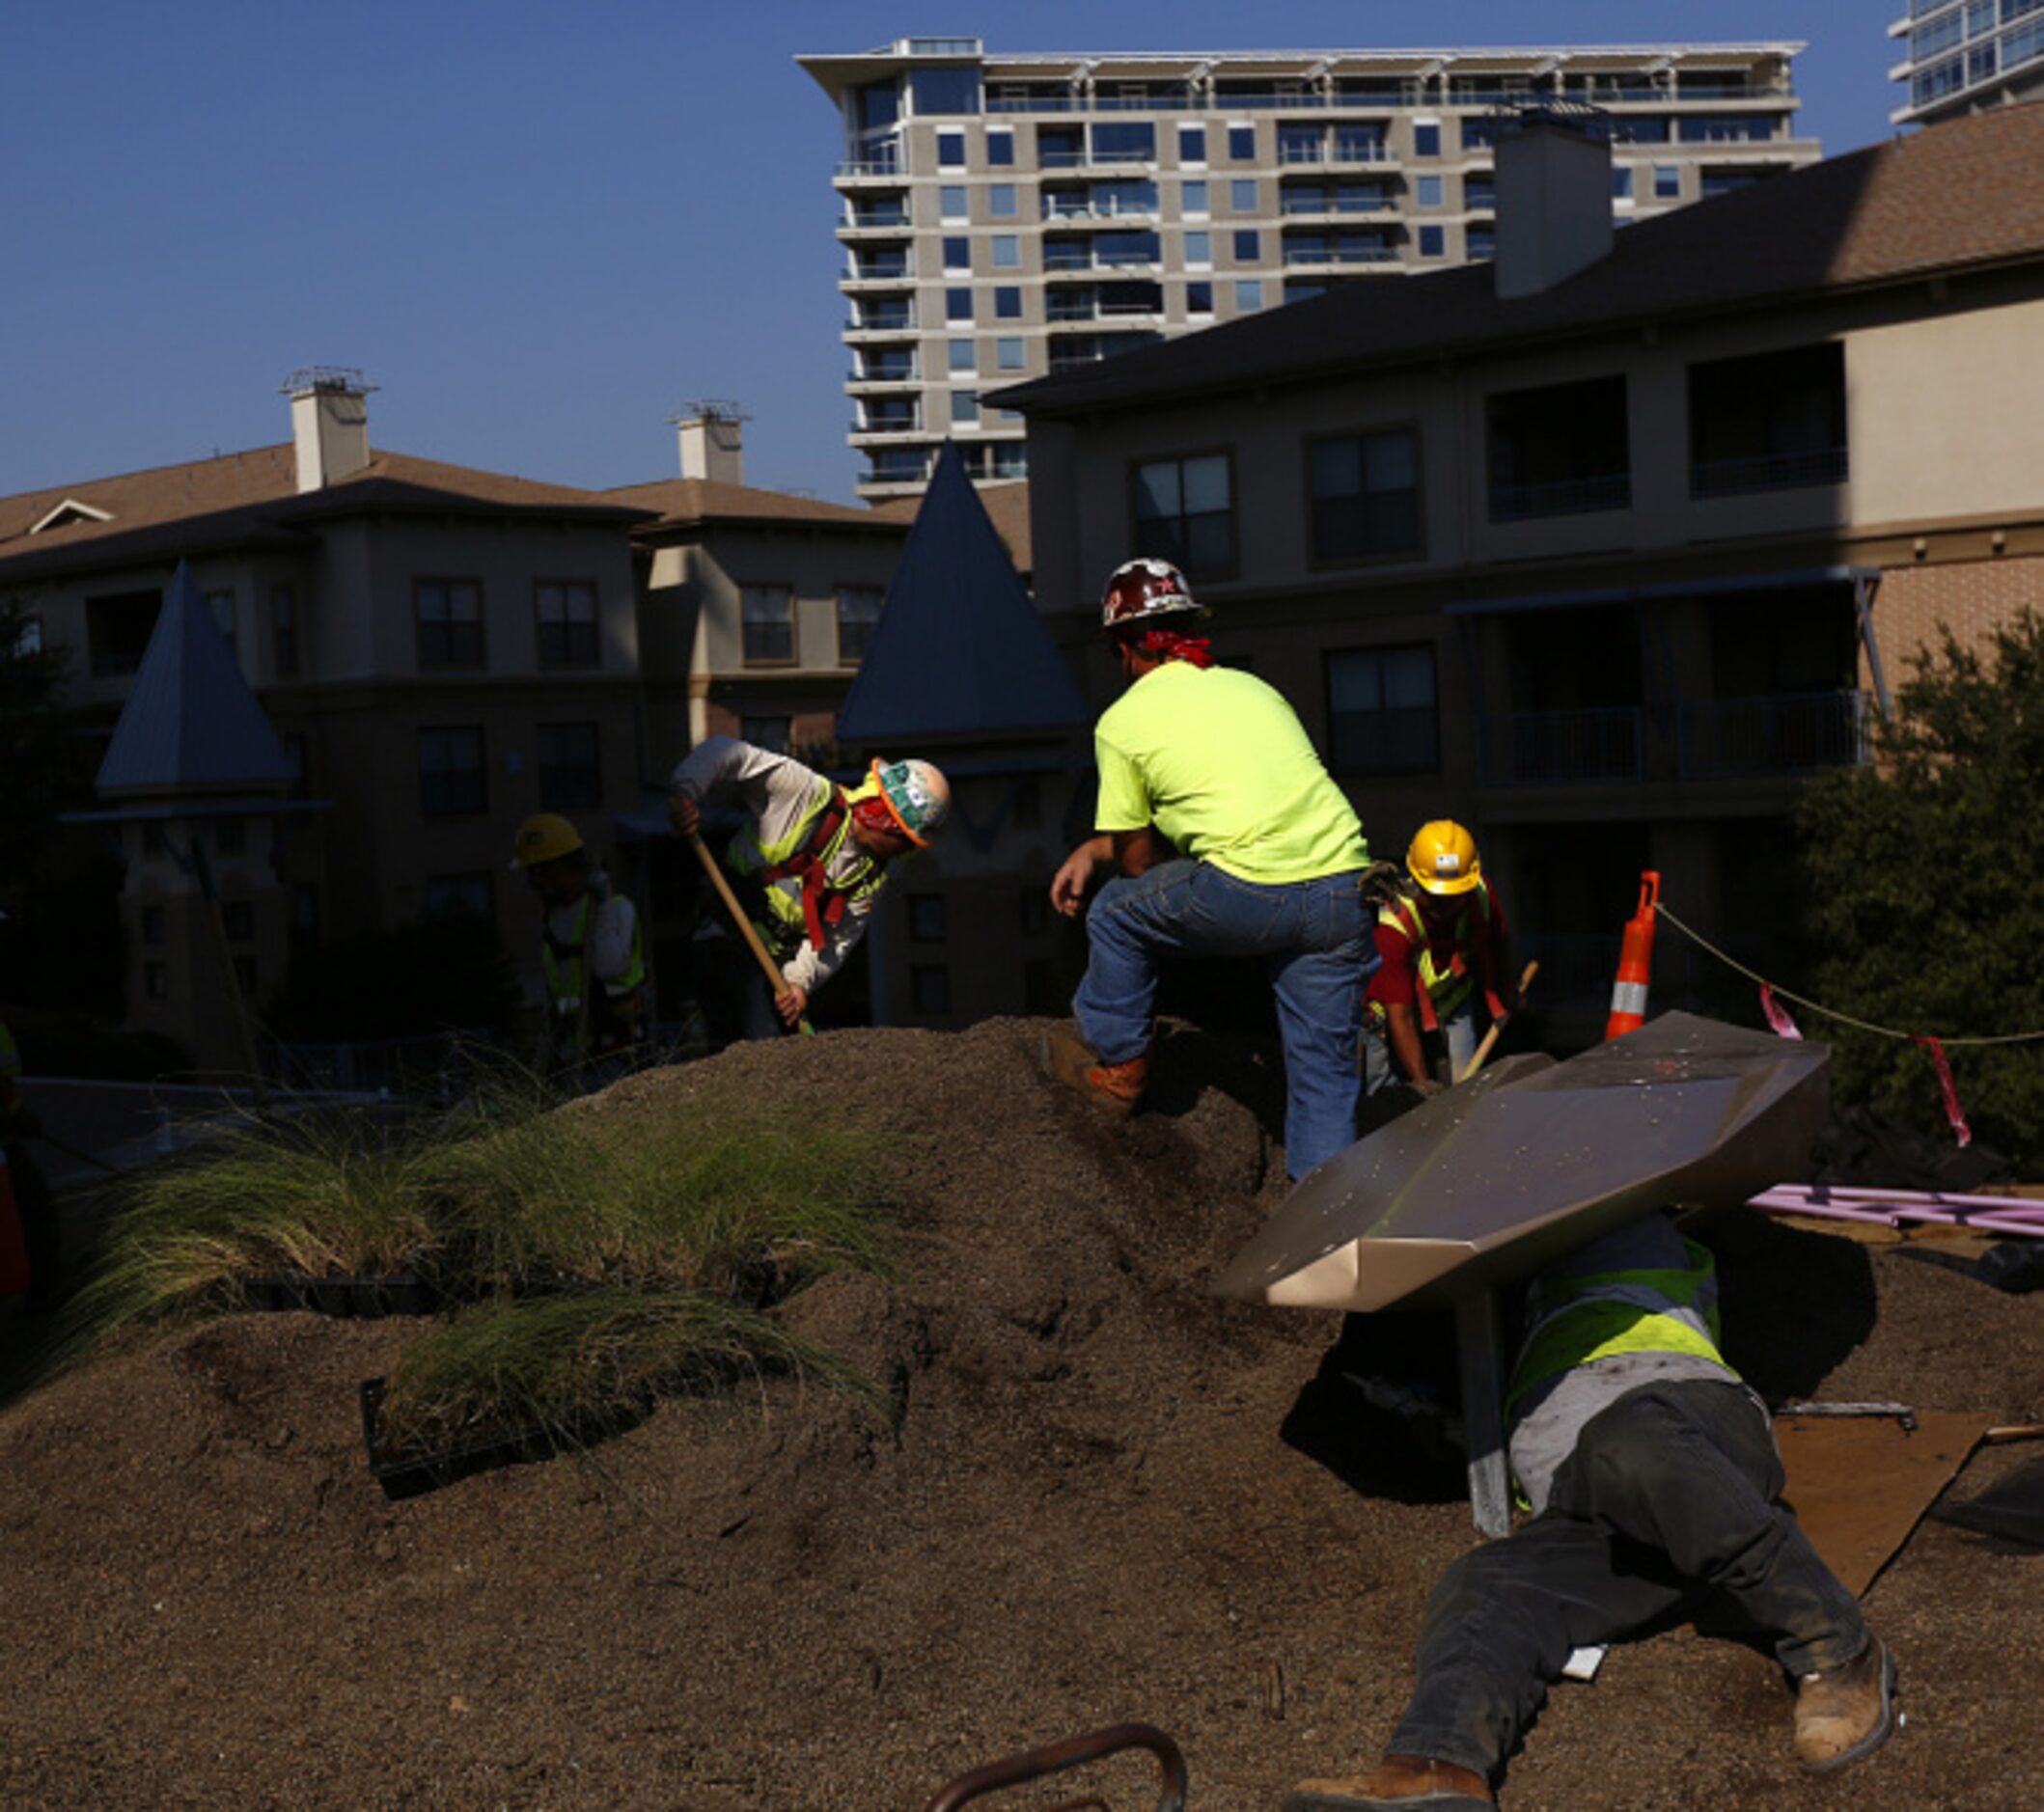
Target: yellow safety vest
1445, 988
777, 911
612, 1017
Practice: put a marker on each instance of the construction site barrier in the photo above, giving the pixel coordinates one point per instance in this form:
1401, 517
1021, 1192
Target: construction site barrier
1636, 963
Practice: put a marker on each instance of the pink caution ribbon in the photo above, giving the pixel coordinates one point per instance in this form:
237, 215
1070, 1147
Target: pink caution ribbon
1777, 1018
1953, 1112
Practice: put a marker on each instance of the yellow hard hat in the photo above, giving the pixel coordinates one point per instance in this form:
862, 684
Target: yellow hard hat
544, 838
1442, 858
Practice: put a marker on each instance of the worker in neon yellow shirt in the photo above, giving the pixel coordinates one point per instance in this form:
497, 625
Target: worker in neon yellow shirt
1230, 840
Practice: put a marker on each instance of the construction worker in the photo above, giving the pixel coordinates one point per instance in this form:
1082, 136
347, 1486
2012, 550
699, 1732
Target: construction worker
1230, 840
590, 954
1656, 1485
1441, 941
811, 860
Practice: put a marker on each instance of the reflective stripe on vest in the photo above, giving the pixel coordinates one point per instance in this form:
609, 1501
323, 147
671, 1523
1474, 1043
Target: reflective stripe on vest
804, 856
560, 963
1446, 989
1575, 1321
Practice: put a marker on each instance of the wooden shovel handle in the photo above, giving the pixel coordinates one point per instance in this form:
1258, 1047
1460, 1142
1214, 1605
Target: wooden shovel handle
775, 981
1490, 1038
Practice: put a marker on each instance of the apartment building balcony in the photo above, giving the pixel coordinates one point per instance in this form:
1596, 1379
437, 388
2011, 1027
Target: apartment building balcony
1080, 213
1768, 472
1096, 158
869, 172
1560, 496
890, 226
866, 383
1315, 156
1325, 203
897, 470
1335, 255
876, 274
1066, 311
1559, 450
1786, 733
880, 324
1064, 261
1599, 744
1070, 355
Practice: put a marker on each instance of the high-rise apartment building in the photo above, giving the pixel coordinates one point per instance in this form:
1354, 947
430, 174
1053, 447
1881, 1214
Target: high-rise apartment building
1009, 216
1964, 55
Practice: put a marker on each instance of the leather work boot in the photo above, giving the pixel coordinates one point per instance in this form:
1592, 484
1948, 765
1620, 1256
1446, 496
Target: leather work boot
1846, 1712
1115, 1088
1395, 1784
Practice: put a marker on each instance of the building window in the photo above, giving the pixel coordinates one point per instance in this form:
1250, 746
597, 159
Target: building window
1366, 495
953, 202
1192, 143
1772, 420
1242, 143
1008, 252
449, 612
925, 917
1479, 240
284, 629
1184, 512
965, 408
1000, 149
957, 305
962, 355
929, 984
1561, 450
768, 623
771, 733
28, 638
1248, 245
1426, 138
1242, 195
858, 613
451, 782
957, 253
1433, 241
155, 927
1198, 298
1008, 303
118, 628
1621, 182
1428, 191
1198, 249
1249, 295
237, 919
951, 150
1192, 200
1009, 355
156, 980
1000, 201
1668, 183
567, 611
570, 771
1381, 713
220, 607
447, 893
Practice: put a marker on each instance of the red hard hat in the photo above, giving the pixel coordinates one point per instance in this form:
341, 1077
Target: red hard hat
1141, 589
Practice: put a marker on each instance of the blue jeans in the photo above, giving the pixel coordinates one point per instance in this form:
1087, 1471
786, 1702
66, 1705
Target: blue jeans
1314, 937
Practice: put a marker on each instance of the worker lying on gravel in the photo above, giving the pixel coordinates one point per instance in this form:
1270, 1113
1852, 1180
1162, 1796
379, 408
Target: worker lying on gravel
1655, 1484
1230, 840
1441, 941
811, 862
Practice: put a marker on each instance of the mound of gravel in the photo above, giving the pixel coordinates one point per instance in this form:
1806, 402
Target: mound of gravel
1106, 1495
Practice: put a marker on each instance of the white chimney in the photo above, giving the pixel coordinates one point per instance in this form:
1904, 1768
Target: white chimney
713, 434
1553, 198
329, 423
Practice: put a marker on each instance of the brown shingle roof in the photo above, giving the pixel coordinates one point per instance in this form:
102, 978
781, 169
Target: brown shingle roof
681, 501
1006, 504
1970, 193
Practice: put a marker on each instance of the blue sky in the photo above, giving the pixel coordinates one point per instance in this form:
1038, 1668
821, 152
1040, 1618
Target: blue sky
538, 226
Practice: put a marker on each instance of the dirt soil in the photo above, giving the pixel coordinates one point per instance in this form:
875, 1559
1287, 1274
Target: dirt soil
1109, 1496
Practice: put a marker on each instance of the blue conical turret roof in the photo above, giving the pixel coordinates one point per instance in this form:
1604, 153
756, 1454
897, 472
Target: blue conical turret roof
959, 649
191, 724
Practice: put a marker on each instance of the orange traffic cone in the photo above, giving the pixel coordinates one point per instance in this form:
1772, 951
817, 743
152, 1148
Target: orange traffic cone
13, 1247
1635, 963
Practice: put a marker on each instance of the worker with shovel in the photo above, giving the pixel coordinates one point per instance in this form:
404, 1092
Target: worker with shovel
590, 954
809, 864
1656, 1485
1441, 939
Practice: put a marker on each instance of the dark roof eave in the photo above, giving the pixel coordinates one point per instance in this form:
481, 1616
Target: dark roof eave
1050, 404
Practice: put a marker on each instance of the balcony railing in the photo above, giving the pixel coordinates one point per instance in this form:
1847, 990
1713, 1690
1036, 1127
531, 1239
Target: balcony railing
883, 375
1340, 255
871, 167
876, 220
903, 322
1561, 748
1100, 210
1566, 497
1768, 472
1783, 733
1295, 202
1093, 160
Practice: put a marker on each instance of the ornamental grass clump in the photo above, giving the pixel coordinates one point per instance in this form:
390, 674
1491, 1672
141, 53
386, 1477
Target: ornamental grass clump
572, 1367
738, 1204
311, 1195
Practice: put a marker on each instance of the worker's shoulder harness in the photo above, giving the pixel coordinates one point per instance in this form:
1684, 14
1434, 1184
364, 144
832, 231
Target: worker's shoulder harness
823, 900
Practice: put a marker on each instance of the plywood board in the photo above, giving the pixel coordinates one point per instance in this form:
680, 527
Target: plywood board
1859, 1484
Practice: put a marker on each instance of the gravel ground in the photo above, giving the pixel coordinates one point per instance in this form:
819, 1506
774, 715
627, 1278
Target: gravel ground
1101, 1502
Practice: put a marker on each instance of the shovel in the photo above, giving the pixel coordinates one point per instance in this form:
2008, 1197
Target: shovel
775, 981
1490, 1038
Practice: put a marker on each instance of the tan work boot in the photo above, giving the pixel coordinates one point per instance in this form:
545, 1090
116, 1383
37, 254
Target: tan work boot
1847, 1712
1396, 1783
1115, 1088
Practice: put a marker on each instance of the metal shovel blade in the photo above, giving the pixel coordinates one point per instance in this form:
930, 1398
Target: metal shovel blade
1487, 1182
